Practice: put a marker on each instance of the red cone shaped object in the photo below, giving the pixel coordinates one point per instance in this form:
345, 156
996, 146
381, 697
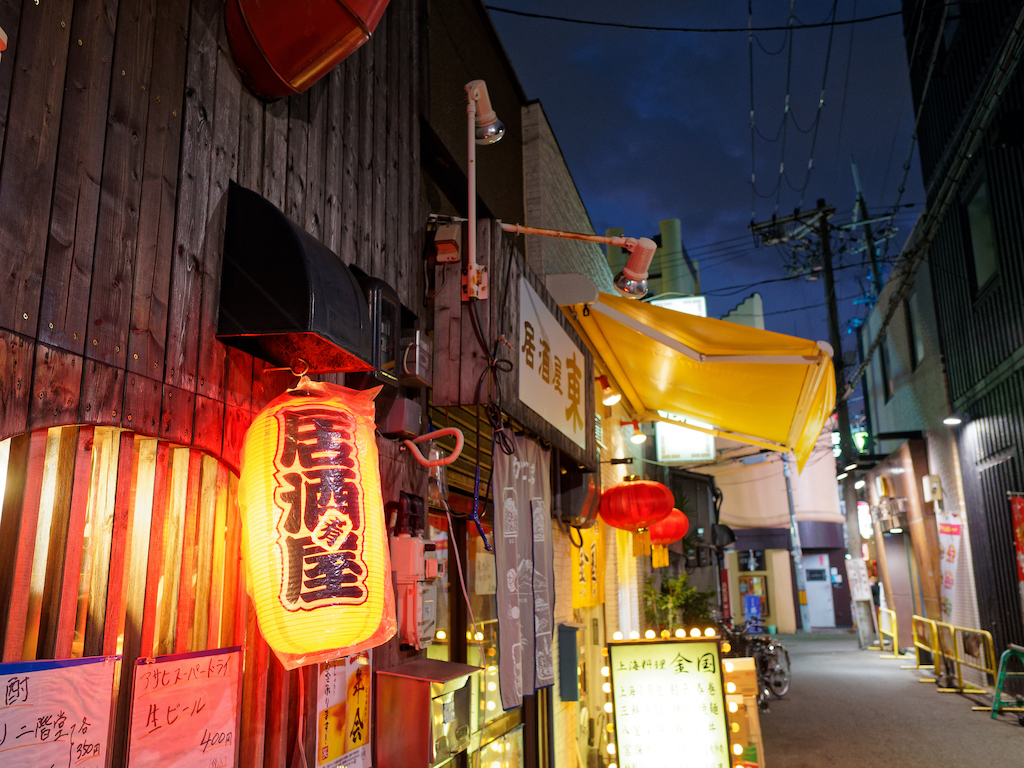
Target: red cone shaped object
635, 505
672, 528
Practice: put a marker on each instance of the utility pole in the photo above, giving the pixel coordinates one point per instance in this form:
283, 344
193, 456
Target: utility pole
869, 235
796, 551
834, 336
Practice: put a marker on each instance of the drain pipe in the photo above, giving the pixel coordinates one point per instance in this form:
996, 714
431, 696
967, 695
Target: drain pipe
796, 551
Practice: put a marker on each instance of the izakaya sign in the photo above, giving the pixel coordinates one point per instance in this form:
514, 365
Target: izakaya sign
550, 368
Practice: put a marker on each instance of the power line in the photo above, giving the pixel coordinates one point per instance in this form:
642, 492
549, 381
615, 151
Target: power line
648, 28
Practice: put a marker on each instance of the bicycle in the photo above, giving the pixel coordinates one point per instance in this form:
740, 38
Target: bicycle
771, 659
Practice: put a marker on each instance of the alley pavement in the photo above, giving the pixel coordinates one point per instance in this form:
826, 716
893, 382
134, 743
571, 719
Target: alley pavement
849, 708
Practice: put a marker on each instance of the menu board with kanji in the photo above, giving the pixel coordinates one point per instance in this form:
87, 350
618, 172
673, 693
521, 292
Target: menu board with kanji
56, 712
185, 710
343, 713
669, 699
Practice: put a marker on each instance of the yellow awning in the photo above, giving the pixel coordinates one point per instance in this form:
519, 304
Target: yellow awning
759, 387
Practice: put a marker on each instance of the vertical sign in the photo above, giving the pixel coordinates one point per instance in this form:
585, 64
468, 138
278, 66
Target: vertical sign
550, 368
185, 710
588, 568
56, 712
669, 699
1017, 511
343, 713
523, 558
950, 532
857, 574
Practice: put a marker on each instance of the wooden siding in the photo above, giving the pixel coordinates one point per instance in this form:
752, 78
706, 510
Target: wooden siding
122, 126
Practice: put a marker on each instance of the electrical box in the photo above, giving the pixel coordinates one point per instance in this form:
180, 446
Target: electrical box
416, 568
423, 713
417, 360
448, 243
932, 487
568, 662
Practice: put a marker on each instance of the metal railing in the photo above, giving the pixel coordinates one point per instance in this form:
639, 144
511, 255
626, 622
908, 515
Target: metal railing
970, 648
926, 640
891, 632
998, 704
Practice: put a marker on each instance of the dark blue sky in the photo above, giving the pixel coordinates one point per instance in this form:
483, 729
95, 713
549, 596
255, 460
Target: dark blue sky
656, 125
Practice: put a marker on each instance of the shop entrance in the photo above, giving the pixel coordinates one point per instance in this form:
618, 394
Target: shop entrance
819, 590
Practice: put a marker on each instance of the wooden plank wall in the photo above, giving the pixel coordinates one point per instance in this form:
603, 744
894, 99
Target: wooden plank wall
457, 349
123, 124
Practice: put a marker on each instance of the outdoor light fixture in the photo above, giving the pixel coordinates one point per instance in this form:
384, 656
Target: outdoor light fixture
850, 467
608, 395
859, 484
637, 437
953, 420
842, 476
484, 127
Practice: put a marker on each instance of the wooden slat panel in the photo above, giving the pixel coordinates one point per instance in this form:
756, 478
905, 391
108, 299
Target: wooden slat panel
141, 573
16, 356
362, 213
394, 260
11, 10
236, 421
236, 600
142, 402
66, 609
279, 695
64, 305
190, 230
57, 379
254, 694
30, 154
250, 142
117, 229
189, 561
447, 333
350, 157
333, 166
275, 152
151, 285
176, 505
217, 499
18, 536
223, 169
134, 459
316, 162
95, 579
102, 394
62, 557
295, 175
177, 415
238, 378
378, 168
157, 502
208, 433
205, 550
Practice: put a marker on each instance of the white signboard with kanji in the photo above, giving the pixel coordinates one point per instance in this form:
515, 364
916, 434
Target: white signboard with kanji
550, 368
669, 700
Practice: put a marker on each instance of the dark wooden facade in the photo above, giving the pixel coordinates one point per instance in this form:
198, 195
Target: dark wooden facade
122, 124
981, 327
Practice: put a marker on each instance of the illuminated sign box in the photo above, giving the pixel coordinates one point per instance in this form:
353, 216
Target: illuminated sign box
669, 700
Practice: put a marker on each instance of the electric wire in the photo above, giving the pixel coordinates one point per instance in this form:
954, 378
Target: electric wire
785, 109
651, 28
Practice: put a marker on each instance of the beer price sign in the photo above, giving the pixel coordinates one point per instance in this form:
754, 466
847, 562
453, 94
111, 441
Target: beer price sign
669, 699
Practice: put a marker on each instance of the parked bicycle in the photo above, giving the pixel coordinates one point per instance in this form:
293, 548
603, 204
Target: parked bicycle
771, 659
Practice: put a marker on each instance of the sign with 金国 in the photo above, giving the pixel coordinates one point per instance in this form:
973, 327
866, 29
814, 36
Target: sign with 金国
550, 368
588, 568
185, 710
56, 712
669, 703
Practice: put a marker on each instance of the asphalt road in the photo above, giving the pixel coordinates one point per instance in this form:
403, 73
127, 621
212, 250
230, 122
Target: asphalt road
849, 708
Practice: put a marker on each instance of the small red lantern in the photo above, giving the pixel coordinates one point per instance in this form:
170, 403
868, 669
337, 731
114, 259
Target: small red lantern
671, 529
636, 504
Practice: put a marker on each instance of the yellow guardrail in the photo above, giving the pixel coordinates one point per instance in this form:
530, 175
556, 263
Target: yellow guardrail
891, 632
926, 640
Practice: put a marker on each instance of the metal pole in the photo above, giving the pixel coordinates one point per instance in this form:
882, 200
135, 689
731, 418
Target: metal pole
796, 551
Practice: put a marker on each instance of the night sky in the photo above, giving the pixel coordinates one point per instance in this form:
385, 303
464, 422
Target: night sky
656, 124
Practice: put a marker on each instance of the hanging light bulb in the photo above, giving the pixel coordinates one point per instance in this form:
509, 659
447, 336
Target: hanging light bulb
637, 436
608, 394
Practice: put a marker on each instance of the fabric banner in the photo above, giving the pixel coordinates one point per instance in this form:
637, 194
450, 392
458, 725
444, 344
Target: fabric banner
950, 533
588, 568
523, 555
56, 712
1017, 510
186, 709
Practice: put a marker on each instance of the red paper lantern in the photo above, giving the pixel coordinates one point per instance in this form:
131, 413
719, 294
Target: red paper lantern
672, 528
635, 505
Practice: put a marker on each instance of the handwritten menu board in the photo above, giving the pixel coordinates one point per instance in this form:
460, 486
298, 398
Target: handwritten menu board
185, 710
343, 713
56, 712
669, 700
